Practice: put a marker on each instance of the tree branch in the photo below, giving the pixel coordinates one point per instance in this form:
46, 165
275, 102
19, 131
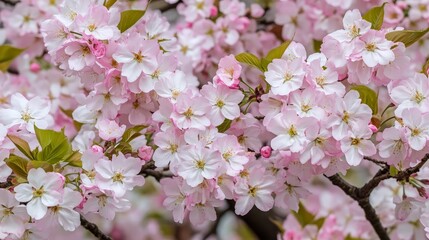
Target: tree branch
6, 184
361, 195
9, 2
91, 227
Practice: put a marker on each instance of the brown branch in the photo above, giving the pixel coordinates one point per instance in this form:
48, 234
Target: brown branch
6, 184
361, 195
9, 2
91, 227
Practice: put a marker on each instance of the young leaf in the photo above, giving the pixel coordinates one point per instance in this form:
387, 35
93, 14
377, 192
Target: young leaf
393, 171
368, 97
75, 159
18, 165
55, 145
274, 53
7, 55
39, 164
109, 3
317, 44
375, 16
132, 133
249, 59
408, 37
224, 126
22, 146
129, 18
425, 68
303, 216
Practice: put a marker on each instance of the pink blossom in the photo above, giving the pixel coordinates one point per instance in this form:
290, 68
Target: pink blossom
110, 129
145, 153
285, 77
228, 73
43, 190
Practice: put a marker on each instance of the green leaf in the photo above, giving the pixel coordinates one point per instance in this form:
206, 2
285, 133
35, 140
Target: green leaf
349, 237
279, 225
319, 222
224, 126
303, 216
375, 16
249, 59
75, 159
7, 55
393, 171
55, 145
368, 97
274, 53
408, 37
129, 18
317, 44
40, 164
132, 133
18, 165
109, 3
22, 146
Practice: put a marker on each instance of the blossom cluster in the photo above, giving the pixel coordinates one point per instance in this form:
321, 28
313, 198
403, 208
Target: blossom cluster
223, 113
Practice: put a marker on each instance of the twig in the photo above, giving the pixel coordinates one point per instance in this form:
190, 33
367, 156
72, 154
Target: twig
91, 227
379, 163
6, 184
361, 195
9, 2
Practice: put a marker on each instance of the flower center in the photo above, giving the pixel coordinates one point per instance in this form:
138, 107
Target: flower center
418, 97
92, 27
200, 164
354, 31
355, 141
26, 116
415, 132
188, 113
319, 141
220, 104
292, 131
138, 57
38, 192
287, 77
227, 155
320, 80
370, 47
173, 148
118, 177
305, 108
252, 191
346, 117
7, 211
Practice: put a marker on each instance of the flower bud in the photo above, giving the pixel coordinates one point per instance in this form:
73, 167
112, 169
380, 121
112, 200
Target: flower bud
145, 153
266, 151
97, 149
35, 67
373, 127
256, 11
213, 11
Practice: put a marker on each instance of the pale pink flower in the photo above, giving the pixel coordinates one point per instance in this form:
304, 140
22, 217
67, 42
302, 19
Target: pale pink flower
63, 213
288, 196
109, 129
228, 73
285, 76
12, 215
138, 56
80, 55
394, 146
232, 152
169, 145
190, 112
119, 175
176, 191
224, 102
354, 26
145, 153
257, 191
417, 128
198, 163
412, 93
27, 113
358, 145
290, 131
43, 190
96, 23
374, 49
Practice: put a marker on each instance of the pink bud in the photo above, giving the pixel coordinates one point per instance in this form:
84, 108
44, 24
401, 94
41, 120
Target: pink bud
35, 67
266, 151
213, 11
145, 153
373, 127
97, 149
403, 209
256, 10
